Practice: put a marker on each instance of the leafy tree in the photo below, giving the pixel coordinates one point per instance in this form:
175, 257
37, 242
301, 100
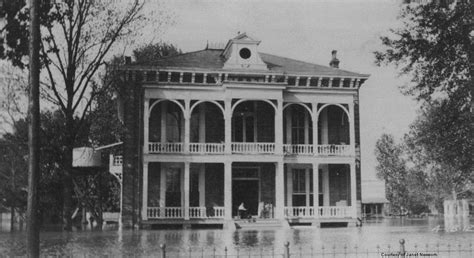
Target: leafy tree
405, 186
435, 47
77, 36
441, 143
149, 53
391, 168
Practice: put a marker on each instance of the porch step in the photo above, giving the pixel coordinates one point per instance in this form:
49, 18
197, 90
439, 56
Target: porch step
258, 223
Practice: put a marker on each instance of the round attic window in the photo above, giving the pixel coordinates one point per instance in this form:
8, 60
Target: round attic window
245, 53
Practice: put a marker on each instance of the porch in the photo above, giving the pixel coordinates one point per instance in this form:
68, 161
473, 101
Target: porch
214, 191
248, 127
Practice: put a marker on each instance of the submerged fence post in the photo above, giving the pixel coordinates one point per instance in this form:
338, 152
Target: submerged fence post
402, 247
287, 250
163, 250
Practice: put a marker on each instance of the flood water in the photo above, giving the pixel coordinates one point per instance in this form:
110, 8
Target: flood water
382, 234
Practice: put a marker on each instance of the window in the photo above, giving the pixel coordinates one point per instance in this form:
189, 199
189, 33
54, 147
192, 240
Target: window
299, 185
300, 194
245, 53
300, 126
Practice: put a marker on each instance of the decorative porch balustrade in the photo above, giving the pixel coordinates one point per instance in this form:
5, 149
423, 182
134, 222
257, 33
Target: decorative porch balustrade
178, 212
165, 147
250, 148
206, 212
322, 212
300, 212
253, 147
334, 150
165, 213
298, 149
207, 148
335, 212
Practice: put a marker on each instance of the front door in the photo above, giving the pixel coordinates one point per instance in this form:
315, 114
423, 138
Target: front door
245, 191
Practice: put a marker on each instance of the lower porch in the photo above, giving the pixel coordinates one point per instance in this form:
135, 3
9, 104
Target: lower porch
212, 193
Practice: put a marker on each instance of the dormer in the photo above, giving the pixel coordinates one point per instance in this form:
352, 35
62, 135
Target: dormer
241, 53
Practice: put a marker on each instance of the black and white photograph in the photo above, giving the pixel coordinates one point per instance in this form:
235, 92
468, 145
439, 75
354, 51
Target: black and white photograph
236, 128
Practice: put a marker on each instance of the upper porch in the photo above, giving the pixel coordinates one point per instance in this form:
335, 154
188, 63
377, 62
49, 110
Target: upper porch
249, 126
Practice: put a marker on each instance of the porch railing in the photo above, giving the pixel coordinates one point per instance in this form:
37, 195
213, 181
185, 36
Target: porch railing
206, 212
322, 212
165, 147
165, 213
300, 212
207, 148
253, 147
334, 150
335, 212
299, 149
178, 212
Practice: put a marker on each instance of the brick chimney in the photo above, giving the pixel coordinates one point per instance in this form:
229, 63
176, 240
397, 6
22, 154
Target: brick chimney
334, 61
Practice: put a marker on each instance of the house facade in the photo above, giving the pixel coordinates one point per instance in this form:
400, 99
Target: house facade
227, 127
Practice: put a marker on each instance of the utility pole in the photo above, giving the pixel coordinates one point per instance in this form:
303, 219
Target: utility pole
32, 227
12, 207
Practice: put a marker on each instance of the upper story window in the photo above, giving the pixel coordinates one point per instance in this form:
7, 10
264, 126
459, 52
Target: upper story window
245, 53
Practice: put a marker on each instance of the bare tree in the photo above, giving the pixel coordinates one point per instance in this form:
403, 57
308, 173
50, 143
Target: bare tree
78, 36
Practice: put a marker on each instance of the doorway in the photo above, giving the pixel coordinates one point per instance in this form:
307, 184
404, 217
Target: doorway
245, 191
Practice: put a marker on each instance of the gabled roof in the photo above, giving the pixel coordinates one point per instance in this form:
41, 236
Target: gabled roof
213, 59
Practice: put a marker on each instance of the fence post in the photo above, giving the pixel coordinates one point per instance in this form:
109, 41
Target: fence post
402, 247
287, 250
225, 251
163, 250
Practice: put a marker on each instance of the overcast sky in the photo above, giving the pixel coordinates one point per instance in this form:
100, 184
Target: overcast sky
308, 31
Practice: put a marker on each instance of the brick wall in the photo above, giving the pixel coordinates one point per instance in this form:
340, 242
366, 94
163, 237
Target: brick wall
130, 93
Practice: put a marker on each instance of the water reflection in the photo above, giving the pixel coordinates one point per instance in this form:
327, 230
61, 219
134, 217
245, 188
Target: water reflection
374, 233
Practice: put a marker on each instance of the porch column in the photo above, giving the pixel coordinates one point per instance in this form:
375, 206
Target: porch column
146, 124
186, 190
187, 126
279, 191
162, 186
315, 128
145, 192
352, 128
353, 190
228, 190
228, 125
289, 185
279, 127
316, 189
202, 186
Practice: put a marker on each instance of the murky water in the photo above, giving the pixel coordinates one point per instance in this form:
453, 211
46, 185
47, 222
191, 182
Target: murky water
374, 235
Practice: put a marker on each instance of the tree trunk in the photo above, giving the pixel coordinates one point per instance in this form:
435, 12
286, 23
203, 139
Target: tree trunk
12, 208
12, 219
453, 192
67, 177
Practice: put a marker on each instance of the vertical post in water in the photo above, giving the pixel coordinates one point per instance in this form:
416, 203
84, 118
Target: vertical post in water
33, 129
402, 247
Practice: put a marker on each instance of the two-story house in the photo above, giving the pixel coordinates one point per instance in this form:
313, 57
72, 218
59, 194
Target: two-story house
215, 129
